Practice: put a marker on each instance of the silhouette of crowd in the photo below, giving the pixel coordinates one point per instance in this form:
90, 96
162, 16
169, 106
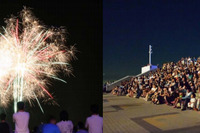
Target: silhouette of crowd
93, 124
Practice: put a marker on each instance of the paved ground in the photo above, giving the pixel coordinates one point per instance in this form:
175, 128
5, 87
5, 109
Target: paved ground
122, 114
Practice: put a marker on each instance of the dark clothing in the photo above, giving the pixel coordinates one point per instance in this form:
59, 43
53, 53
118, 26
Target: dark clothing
185, 102
168, 99
160, 99
4, 127
139, 93
174, 95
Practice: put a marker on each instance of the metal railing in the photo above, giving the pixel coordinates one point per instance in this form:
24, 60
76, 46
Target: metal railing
118, 82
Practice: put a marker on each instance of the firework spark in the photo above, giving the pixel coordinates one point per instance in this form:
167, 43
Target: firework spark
30, 53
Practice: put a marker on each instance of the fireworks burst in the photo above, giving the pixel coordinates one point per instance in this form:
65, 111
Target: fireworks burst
30, 54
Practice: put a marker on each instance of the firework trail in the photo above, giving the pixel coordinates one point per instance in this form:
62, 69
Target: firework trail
30, 53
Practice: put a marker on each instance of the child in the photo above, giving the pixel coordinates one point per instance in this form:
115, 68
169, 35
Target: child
191, 104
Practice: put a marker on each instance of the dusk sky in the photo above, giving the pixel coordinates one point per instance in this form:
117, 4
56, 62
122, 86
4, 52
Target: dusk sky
172, 27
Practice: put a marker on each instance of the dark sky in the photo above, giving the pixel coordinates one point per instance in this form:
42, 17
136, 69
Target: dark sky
83, 21
172, 27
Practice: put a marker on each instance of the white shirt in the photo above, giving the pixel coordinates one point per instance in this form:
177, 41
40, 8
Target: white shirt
187, 94
182, 62
94, 124
21, 120
65, 126
192, 100
153, 89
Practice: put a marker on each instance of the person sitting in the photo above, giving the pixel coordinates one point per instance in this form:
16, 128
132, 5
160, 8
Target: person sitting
138, 91
145, 90
191, 104
186, 99
175, 95
156, 99
65, 125
160, 98
198, 99
166, 96
151, 92
115, 90
119, 91
51, 126
21, 119
123, 91
177, 101
130, 92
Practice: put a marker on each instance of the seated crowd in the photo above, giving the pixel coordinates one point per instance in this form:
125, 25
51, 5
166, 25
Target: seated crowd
176, 84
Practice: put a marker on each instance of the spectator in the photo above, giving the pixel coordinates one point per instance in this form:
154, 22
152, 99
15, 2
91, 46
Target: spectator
40, 128
4, 126
21, 119
138, 91
51, 126
130, 92
81, 128
94, 123
166, 96
172, 80
115, 90
65, 125
191, 104
156, 97
145, 90
186, 99
177, 101
160, 98
150, 93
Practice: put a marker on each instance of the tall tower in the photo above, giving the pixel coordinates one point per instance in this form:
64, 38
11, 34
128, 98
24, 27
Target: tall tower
150, 52
149, 67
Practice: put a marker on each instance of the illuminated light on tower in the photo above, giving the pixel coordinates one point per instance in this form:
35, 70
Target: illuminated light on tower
150, 52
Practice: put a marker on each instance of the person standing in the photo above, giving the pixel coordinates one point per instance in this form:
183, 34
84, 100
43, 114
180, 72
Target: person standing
51, 126
94, 123
21, 119
65, 125
4, 126
81, 128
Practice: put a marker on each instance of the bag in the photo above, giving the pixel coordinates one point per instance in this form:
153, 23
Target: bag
178, 105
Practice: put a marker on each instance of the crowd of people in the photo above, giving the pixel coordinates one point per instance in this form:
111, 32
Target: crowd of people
93, 124
176, 84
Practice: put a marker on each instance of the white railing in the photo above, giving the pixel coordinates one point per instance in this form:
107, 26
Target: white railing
118, 82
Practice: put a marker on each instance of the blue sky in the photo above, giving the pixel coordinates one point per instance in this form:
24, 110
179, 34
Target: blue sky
172, 27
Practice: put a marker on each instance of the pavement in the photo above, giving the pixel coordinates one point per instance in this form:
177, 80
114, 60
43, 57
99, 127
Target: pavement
122, 114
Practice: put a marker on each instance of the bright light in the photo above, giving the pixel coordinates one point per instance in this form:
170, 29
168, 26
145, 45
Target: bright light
29, 55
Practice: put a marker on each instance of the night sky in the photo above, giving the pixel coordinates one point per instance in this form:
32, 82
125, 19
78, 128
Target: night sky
83, 21
172, 27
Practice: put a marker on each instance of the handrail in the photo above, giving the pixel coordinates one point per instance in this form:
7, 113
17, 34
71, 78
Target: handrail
109, 87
